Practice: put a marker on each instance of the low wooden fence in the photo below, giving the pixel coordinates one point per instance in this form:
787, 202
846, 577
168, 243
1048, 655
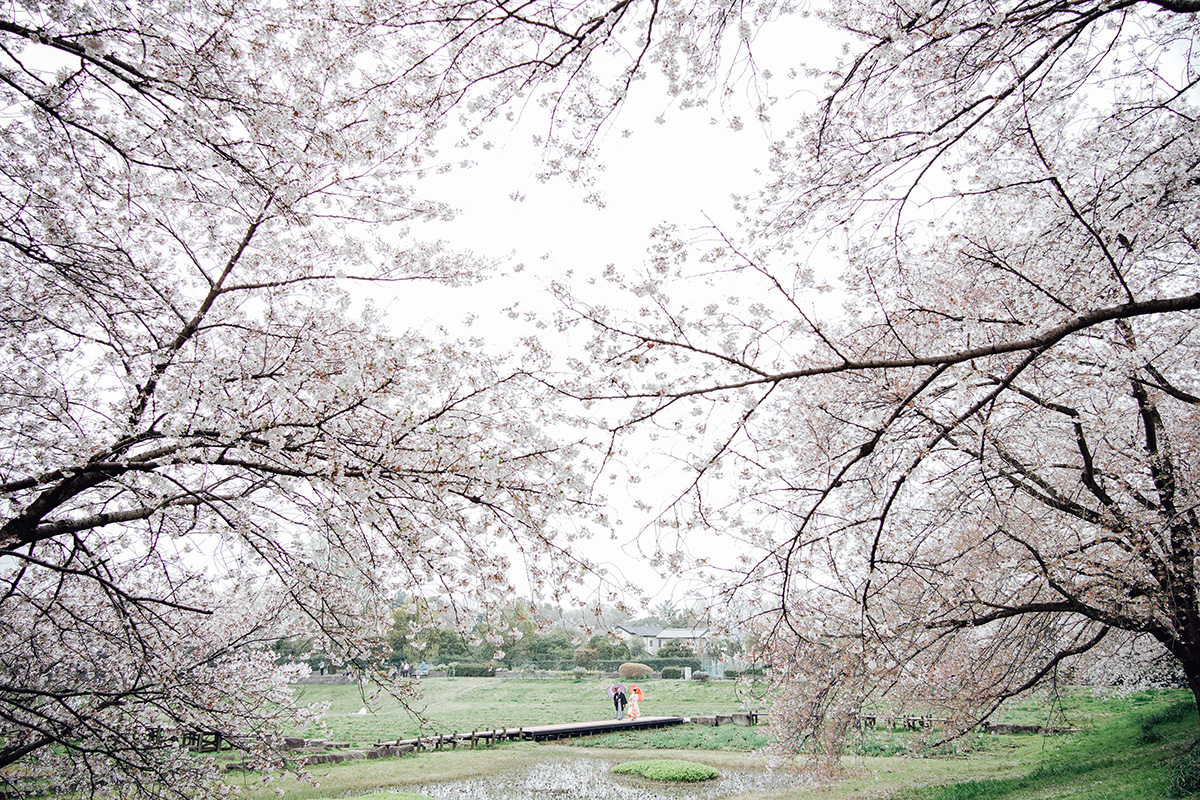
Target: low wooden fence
922, 723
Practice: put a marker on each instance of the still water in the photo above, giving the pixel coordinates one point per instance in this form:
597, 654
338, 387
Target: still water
589, 779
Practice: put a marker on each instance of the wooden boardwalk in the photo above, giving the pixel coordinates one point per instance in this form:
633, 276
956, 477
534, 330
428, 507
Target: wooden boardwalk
532, 733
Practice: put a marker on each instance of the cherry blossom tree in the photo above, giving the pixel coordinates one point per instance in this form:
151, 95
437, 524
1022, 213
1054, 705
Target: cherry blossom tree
971, 470
210, 437
940, 388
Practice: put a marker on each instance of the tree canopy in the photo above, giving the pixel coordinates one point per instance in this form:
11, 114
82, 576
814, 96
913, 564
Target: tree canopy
210, 436
942, 383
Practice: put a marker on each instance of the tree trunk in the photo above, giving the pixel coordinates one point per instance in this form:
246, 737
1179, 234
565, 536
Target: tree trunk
1189, 659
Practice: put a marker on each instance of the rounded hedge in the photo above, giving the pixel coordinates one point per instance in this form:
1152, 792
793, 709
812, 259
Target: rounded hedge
461, 670
668, 769
632, 671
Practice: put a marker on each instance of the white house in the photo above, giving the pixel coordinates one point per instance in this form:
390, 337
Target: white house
655, 636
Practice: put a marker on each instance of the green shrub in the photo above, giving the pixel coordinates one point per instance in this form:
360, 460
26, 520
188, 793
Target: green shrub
1184, 778
668, 769
579, 673
472, 670
672, 672
700, 677
734, 674
632, 671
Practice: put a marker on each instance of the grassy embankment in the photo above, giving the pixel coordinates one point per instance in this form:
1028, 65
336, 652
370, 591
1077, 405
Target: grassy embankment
1136, 751
1125, 749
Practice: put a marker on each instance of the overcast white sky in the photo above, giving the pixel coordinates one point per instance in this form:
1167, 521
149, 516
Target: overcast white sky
678, 171
682, 170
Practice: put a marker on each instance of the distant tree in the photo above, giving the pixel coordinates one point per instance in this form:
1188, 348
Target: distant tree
443, 645
721, 647
600, 647
551, 649
292, 648
675, 648
668, 615
609, 647
508, 636
637, 646
606, 648
584, 657
423, 630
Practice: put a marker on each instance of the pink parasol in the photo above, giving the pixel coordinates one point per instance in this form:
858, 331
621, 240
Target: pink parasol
616, 687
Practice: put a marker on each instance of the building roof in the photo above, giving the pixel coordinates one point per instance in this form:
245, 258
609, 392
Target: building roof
683, 633
648, 631
659, 632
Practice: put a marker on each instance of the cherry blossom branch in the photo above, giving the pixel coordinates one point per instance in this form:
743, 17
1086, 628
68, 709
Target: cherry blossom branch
1042, 341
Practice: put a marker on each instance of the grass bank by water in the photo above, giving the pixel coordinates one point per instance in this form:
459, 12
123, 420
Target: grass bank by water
1124, 749
1125, 756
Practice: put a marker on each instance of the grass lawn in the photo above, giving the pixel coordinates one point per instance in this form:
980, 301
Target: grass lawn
1124, 750
466, 704
1124, 756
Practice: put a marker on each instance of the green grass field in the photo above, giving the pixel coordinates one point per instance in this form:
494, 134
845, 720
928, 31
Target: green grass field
1125, 748
465, 704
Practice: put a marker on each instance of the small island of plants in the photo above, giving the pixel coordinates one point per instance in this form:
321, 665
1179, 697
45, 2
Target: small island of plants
668, 769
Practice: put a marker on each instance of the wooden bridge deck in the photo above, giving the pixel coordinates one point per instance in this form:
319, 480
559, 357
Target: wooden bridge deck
541, 733
535, 733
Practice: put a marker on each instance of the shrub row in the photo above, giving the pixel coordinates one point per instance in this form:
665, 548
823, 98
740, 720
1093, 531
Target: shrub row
655, 664
737, 673
460, 670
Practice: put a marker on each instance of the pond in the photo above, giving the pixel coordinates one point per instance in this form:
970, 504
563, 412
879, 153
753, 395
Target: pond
589, 779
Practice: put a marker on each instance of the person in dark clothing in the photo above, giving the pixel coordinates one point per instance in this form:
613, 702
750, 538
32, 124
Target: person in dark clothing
619, 701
